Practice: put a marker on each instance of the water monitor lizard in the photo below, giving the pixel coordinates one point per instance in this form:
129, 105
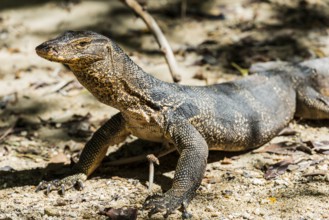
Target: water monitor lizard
231, 116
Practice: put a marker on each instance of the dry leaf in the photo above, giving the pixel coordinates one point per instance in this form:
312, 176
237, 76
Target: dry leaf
319, 146
226, 161
277, 148
316, 173
120, 214
278, 168
13, 50
287, 132
284, 148
60, 158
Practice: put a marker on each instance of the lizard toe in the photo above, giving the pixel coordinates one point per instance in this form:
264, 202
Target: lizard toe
47, 185
62, 185
160, 203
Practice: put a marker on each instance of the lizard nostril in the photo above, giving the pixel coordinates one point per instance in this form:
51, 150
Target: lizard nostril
54, 50
45, 48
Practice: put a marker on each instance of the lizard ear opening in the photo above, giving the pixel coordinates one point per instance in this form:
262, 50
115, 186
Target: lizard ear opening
109, 50
110, 56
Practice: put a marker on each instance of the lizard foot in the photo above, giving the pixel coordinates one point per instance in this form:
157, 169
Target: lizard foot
167, 202
75, 180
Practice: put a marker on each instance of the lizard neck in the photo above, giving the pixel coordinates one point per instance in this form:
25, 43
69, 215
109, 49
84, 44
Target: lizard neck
117, 81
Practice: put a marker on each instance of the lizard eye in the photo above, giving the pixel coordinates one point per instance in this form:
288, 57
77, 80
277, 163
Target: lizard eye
83, 43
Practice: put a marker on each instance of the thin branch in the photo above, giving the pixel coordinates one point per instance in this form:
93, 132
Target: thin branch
138, 158
183, 8
159, 36
152, 160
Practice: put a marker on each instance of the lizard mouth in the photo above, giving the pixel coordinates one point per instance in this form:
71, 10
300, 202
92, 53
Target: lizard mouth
50, 53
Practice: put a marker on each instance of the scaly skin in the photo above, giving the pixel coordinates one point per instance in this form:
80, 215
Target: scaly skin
231, 116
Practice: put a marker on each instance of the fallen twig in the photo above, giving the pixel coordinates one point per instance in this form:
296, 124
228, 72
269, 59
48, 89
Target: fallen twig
316, 173
152, 159
159, 36
138, 158
183, 8
64, 86
60, 86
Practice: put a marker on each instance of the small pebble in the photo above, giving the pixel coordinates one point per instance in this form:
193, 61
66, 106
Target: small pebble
293, 167
246, 174
133, 181
281, 182
75, 206
258, 182
24, 133
246, 215
215, 214
327, 177
323, 167
88, 215
52, 212
73, 214
60, 202
210, 208
227, 193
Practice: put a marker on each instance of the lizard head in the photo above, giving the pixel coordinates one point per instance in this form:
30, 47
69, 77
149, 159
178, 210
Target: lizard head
72, 47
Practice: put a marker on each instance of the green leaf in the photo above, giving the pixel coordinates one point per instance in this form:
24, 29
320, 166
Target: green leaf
244, 72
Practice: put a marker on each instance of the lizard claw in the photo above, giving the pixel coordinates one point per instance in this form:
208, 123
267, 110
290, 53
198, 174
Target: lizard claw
156, 203
62, 189
79, 185
46, 185
166, 202
61, 185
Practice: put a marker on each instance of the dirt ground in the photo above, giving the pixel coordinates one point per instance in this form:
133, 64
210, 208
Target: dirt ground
46, 116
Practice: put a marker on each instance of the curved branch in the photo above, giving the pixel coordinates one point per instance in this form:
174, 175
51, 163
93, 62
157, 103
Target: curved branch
160, 38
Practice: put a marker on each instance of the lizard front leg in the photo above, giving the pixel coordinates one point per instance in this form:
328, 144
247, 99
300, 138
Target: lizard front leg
112, 132
189, 171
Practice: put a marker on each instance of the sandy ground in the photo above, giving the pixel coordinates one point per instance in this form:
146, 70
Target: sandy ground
46, 116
